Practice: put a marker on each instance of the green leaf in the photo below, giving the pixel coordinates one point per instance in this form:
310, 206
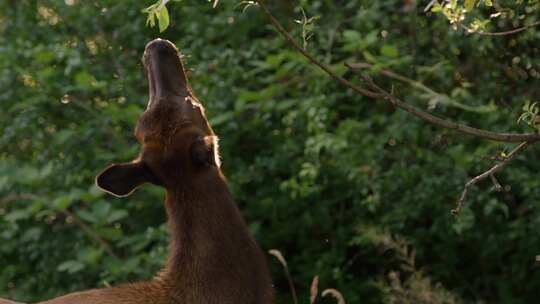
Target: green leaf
71, 266
32, 234
222, 118
109, 233
62, 202
526, 105
493, 206
151, 20
89, 255
87, 216
163, 19
16, 215
469, 5
45, 56
436, 8
85, 79
369, 57
464, 221
117, 215
389, 51
101, 209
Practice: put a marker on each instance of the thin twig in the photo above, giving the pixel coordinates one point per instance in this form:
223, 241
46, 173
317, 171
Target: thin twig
360, 66
430, 4
497, 186
312, 59
505, 33
391, 74
488, 173
435, 120
382, 94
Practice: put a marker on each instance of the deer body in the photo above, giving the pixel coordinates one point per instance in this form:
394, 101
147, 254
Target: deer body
209, 260
212, 256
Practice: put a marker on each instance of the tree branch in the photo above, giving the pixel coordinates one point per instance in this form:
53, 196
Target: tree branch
390, 74
465, 129
382, 94
505, 33
489, 173
430, 4
312, 59
443, 98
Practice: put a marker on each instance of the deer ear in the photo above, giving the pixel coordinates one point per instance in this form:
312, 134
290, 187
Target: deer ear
122, 179
204, 151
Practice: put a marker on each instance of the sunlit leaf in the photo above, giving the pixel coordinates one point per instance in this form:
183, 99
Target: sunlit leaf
71, 266
469, 5
163, 18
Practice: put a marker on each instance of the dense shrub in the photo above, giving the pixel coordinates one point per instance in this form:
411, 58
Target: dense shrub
347, 188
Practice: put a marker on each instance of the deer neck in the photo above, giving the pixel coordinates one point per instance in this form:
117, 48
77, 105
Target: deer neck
205, 225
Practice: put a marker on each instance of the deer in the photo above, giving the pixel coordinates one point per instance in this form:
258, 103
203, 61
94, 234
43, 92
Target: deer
212, 256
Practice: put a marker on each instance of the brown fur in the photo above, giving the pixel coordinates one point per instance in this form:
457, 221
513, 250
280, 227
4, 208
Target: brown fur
212, 258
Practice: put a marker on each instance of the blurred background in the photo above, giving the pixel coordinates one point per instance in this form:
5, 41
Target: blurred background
347, 188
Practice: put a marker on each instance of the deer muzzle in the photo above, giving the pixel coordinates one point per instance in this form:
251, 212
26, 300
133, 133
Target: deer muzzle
165, 72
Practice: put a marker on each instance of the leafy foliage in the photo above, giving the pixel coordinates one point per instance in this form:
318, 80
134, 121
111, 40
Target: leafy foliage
465, 13
530, 113
318, 170
160, 12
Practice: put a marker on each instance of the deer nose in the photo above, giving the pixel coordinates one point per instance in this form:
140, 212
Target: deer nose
162, 46
164, 70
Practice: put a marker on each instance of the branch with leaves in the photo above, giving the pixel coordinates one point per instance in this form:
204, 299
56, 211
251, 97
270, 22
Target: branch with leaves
457, 12
376, 92
489, 173
431, 95
504, 33
158, 11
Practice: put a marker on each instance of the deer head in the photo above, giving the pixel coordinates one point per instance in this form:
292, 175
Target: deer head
211, 253
176, 138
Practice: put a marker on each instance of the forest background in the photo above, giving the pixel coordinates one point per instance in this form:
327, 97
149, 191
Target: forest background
349, 189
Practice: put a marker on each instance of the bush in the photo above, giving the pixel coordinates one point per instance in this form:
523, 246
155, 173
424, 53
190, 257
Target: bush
317, 170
